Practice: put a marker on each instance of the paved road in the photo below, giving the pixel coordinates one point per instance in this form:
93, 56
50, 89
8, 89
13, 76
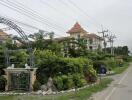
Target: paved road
119, 89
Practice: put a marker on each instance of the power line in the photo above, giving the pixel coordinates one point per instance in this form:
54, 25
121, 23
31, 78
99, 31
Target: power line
24, 24
35, 13
26, 14
111, 38
104, 35
82, 11
55, 9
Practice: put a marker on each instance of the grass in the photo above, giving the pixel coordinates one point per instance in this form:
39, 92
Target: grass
83, 94
119, 70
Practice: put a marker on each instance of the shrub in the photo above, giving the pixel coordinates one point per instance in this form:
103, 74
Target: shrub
63, 82
90, 74
58, 82
36, 85
111, 63
126, 58
67, 82
48, 64
79, 80
3, 83
66, 72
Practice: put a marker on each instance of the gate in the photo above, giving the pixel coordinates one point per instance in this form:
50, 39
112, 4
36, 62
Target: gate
20, 81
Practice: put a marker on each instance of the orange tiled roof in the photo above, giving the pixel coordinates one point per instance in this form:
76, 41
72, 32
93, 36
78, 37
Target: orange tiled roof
76, 28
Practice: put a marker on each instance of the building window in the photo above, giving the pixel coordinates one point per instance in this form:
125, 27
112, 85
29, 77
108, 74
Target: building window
91, 41
90, 47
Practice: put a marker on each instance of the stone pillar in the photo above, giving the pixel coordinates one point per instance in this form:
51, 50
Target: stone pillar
32, 78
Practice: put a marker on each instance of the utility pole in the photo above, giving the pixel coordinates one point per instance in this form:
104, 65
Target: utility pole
104, 35
111, 38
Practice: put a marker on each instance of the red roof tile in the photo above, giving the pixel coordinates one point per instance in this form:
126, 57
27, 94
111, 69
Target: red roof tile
76, 28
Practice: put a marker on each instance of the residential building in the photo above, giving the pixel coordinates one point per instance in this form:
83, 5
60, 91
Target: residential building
3, 36
93, 41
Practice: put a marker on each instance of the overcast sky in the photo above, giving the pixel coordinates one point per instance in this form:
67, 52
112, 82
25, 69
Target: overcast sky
60, 15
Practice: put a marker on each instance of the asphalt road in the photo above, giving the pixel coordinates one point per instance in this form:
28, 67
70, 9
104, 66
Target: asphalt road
119, 89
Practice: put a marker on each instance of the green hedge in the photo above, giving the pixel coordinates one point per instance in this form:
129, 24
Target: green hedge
64, 82
66, 72
3, 83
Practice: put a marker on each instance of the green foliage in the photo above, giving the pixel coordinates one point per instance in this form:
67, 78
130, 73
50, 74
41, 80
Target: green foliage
41, 43
2, 58
111, 63
36, 85
83, 94
3, 83
64, 82
19, 58
48, 63
9, 44
121, 50
79, 80
127, 58
66, 72
75, 47
58, 82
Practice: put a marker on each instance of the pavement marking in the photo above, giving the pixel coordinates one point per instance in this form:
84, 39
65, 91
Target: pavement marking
113, 90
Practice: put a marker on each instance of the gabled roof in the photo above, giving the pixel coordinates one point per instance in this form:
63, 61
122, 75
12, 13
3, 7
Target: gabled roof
76, 28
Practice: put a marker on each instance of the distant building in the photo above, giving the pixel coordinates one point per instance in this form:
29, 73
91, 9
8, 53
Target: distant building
92, 40
3, 36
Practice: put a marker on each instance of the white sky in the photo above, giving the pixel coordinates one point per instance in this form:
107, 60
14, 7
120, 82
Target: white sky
61, 15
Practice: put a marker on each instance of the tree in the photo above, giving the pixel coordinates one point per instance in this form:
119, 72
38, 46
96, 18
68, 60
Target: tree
121, 50
47, 62
75, 47
19, 58
2, 58
9, 44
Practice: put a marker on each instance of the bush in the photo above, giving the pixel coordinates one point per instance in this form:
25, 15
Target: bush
67, 82
3, 83
127, 58
66, 72
48, 64
63, 82
111, 63
90, 75
79, 80
36, 85
58, 82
